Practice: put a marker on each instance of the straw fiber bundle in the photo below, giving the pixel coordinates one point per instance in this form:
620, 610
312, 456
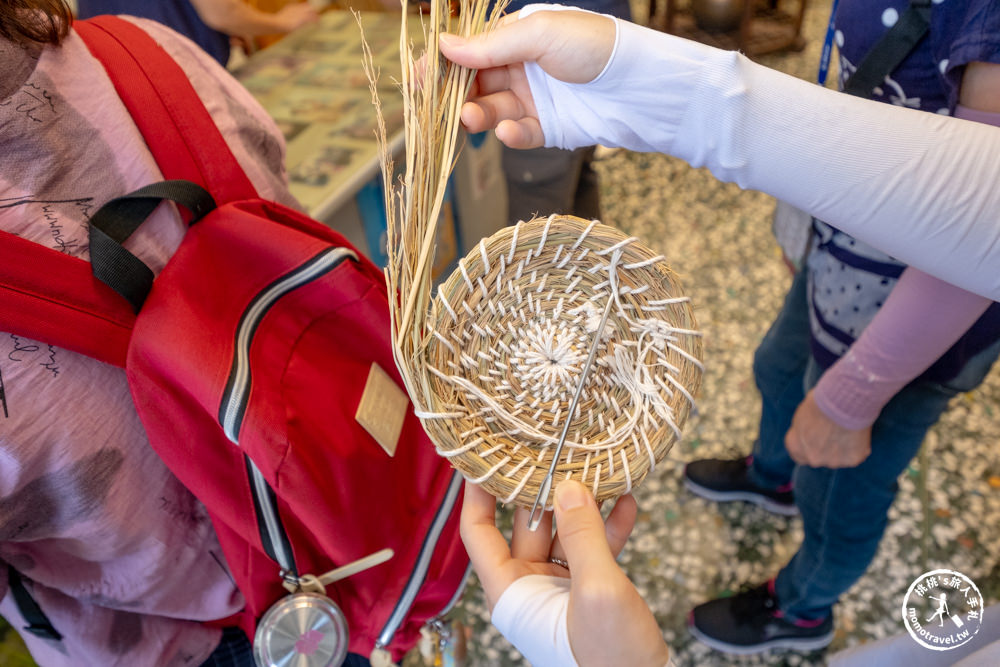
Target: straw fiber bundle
434, 90
511, 331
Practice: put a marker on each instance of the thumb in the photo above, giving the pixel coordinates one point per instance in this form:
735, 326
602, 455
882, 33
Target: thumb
510, 43
581, 532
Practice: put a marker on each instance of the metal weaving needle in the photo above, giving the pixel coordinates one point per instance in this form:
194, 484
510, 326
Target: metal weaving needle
538, 508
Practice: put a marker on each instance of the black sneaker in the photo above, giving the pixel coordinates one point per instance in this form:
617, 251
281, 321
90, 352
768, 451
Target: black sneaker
722, 480
751, 622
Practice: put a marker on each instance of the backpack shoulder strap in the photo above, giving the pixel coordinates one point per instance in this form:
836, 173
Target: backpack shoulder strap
38, 623
887, 54
163, 104
49, 296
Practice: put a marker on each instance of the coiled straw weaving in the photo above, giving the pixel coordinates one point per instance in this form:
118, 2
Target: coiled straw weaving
511, 330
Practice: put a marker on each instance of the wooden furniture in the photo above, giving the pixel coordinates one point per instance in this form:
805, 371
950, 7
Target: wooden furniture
767, 25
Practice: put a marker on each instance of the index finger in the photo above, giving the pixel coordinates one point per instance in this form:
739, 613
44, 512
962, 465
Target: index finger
486, 546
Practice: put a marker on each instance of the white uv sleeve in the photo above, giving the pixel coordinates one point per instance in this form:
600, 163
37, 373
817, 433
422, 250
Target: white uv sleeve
916, 185
531, 614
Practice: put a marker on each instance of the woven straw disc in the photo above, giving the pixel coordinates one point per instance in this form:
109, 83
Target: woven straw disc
511, 332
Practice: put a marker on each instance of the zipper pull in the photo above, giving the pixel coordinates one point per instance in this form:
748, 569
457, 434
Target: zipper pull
310, 583
360, 565
430, 644
443, 643
381, 658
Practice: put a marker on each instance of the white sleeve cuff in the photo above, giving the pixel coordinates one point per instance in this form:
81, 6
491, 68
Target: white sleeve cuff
531, 614
649, 75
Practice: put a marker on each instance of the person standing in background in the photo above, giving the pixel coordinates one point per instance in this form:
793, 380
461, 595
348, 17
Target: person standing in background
542, 181
122, 561
861, 361
209, 23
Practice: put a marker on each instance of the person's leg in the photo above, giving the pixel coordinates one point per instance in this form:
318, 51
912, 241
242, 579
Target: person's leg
845, 511
541, 181
587, 198
779, 367
844, 514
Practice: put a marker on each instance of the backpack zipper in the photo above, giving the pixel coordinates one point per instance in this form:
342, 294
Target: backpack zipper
274, 539
419, 572
234, 398
437, 620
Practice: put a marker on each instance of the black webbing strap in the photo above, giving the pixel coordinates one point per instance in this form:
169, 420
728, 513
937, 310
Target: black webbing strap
38, 623
891, 50
114, 222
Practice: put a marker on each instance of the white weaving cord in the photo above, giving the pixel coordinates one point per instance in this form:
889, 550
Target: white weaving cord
529, 429
535, 372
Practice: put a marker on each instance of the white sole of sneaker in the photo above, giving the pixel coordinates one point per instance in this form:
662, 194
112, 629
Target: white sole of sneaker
795, 644
727, 496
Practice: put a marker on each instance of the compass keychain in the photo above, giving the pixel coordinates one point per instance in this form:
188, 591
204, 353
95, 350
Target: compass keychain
307, 628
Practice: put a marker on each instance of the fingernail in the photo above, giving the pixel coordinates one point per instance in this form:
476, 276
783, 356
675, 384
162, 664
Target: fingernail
450, 40
570, 495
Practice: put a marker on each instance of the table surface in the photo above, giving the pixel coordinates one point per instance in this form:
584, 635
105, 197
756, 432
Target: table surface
313, 84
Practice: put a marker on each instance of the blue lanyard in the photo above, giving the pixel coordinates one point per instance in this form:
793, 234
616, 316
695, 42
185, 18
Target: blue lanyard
824, 59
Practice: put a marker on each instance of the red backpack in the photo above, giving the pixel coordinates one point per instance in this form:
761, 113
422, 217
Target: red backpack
258, 353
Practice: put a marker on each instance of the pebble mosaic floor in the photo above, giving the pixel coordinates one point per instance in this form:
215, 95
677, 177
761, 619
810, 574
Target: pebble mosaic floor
685, 550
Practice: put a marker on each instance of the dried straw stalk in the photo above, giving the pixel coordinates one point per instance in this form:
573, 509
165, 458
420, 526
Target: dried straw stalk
434, 90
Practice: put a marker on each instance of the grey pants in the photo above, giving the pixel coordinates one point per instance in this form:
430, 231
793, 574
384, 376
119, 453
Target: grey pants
542, 181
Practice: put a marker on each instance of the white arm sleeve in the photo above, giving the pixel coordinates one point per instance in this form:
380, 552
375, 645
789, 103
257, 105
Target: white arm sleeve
916, 185
531, 613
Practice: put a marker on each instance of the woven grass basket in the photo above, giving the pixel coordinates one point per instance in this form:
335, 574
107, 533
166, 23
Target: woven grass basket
510, 332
